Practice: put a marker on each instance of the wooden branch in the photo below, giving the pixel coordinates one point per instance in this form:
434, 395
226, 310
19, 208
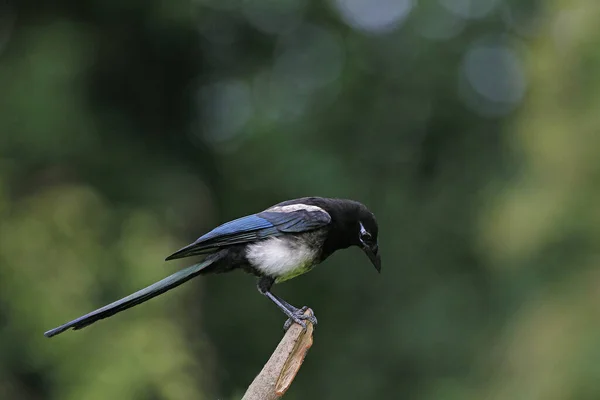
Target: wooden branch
279, 372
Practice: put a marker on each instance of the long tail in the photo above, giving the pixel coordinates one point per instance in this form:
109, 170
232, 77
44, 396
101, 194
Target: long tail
134, 299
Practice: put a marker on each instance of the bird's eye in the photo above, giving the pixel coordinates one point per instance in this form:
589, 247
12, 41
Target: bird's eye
367, 238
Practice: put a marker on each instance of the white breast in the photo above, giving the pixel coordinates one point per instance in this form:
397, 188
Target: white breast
285, 258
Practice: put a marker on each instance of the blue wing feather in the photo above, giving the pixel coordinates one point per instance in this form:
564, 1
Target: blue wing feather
244, 224
297, 221
252, 228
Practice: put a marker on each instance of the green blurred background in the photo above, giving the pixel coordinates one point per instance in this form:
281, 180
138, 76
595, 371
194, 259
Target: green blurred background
470, 127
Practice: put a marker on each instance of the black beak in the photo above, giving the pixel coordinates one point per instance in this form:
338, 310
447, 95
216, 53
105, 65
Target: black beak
373, 254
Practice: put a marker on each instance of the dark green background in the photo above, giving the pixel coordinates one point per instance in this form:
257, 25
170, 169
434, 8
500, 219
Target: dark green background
129, 128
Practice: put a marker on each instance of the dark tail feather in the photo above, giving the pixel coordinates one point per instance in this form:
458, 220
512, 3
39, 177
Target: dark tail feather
134, 299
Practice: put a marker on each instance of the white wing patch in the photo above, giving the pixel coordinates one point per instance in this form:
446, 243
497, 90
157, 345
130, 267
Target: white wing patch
283, 258
295, 207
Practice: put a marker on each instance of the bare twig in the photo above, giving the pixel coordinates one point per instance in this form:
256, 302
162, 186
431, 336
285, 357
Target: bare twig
281, 369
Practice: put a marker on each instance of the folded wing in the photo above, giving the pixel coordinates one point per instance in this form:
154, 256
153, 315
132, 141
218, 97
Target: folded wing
255, 227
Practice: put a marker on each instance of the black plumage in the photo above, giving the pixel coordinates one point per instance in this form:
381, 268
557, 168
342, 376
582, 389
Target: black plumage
277, 244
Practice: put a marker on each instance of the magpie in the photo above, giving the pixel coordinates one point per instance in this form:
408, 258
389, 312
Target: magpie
277, 244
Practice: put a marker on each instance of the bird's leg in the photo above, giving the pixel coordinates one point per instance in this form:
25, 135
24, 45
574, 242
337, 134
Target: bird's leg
294, 314
285, 303
299, 312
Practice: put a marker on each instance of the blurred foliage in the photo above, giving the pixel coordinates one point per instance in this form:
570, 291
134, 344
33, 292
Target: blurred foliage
470, 127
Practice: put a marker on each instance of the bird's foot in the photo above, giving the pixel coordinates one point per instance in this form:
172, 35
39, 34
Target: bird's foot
299, 317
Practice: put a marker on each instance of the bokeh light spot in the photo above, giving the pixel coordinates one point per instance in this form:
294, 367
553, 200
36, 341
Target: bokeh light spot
374, 16
494, 73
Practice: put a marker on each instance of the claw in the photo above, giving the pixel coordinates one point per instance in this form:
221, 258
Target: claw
299, 317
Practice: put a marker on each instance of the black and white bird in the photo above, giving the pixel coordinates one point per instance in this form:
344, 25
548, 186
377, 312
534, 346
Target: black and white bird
277, 244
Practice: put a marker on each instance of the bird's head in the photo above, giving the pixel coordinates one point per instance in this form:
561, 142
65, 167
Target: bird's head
367, 232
